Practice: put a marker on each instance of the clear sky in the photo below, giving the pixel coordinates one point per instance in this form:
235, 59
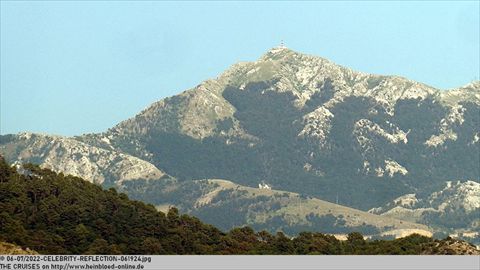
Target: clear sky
73, 67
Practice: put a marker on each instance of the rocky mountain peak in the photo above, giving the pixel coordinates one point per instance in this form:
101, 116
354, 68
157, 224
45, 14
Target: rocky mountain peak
196, 112
304, 75
277, 53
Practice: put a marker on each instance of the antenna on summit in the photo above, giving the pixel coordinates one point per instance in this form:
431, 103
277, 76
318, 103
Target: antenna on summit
282, 44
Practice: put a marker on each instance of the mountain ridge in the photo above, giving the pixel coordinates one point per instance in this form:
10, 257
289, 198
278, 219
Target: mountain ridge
71, 156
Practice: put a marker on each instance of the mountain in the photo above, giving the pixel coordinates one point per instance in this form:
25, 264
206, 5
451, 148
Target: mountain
304, 124
58, 214
300, 124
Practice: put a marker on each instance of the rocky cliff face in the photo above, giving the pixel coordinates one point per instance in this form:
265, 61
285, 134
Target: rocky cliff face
454, 209
454, 197
70, 156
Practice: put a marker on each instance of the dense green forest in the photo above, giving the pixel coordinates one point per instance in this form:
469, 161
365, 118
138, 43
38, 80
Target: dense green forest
58, 214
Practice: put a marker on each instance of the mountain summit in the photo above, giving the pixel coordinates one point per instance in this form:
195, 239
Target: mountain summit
303, 76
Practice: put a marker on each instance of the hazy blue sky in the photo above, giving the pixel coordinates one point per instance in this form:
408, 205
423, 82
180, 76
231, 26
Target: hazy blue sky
76, 67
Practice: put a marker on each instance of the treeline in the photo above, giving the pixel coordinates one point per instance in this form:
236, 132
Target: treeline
57, 214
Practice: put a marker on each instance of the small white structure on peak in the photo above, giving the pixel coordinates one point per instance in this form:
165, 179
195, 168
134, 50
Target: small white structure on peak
264, 186
279, 48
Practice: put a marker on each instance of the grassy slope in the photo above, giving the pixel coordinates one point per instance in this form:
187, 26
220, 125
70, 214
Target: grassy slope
295, 208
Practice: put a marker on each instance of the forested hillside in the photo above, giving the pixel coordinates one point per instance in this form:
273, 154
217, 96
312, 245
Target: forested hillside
57, 214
